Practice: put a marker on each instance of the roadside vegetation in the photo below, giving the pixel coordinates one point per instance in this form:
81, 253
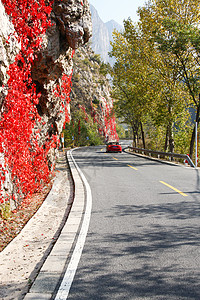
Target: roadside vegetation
156, 76
81, 131
91, 107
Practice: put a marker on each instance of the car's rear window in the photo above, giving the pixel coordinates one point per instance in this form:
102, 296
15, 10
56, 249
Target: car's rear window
113, 143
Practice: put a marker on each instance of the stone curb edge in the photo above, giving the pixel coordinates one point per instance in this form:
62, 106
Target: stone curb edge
52, 271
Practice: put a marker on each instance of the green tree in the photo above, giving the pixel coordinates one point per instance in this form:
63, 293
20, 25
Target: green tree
156, 74
145, 83
171, 26
130, 78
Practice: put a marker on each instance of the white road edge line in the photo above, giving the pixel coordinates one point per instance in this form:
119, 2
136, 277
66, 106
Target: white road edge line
66, 283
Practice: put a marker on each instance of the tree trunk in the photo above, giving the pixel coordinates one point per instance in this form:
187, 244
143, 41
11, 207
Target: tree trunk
166, 139
134, 137
138, 139
143, 137
171, 139
193, 133
137, 132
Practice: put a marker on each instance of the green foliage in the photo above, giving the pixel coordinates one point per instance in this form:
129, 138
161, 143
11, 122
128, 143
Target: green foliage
156, 137
174, 34
76, 77
105, 69
156, 76
81, 131
182, 135
87, 62
97, 58
96, 101
5, 211
120, 131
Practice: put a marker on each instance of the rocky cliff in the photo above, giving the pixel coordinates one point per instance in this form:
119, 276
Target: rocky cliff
35, 79
71, 28
91, 91
102, 35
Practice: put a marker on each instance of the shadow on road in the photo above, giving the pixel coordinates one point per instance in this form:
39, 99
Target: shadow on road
179, 210
158, 269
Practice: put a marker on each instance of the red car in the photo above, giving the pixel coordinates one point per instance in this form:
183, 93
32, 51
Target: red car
113, 147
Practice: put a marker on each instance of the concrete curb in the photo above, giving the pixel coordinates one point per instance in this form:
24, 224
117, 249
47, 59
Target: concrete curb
51, 273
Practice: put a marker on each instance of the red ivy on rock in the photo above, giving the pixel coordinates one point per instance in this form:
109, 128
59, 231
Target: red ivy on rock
82, 107
62, 92
22, 155
109, 129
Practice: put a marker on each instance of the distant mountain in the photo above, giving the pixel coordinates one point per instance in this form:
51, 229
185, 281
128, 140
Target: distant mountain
111, 25
102, 35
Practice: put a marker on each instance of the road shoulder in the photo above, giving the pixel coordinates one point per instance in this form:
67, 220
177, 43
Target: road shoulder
22, 259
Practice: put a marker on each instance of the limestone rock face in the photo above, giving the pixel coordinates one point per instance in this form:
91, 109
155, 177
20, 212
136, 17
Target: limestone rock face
73, 19
8, 51
91, 88
71, 28
88, 83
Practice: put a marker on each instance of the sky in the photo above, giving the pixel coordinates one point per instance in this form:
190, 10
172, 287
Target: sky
117, 10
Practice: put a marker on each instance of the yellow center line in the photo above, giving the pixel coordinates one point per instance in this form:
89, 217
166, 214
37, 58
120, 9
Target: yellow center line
173, 188
115, 158
132, 167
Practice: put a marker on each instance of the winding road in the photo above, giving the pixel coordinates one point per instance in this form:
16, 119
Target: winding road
143, 240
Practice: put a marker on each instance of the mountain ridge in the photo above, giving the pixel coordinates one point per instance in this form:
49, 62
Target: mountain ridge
102, 35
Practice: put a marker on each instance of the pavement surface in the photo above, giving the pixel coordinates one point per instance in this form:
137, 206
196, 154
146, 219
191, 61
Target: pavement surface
33, 264
143, 239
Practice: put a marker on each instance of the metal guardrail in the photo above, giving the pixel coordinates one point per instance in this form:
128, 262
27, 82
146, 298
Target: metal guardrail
163, 154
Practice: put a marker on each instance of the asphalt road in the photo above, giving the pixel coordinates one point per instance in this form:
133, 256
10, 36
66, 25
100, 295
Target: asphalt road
144, 235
